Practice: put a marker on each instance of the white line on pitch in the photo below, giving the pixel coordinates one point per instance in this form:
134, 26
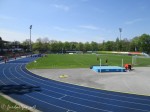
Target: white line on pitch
62, 97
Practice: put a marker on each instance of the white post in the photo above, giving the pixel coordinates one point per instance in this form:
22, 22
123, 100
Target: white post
132, 60
122, 62
100, 65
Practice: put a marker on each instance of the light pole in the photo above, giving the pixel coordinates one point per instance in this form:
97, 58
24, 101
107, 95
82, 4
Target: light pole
30, 39
120, 30
120, 46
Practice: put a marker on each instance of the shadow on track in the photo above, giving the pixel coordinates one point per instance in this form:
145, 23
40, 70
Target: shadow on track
18, 89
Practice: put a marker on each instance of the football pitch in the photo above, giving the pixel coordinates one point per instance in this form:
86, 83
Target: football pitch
50, 95
84, 61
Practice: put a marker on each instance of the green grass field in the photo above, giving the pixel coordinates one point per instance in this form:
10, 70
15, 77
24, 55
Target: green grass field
8, 106
83, 61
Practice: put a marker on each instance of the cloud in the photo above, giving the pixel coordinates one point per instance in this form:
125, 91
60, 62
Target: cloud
90, 27
133, 21
60, 28
64, 29
62, 7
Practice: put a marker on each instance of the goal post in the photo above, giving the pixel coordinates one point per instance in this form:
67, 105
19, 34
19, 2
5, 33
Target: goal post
134, 60
100, 64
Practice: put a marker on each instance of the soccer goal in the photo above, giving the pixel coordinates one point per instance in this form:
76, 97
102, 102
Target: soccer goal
134, 60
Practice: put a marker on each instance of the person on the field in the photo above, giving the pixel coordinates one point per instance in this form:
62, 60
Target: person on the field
106, 61
97, 58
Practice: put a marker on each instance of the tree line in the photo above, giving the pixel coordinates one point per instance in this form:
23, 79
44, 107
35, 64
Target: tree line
138, 43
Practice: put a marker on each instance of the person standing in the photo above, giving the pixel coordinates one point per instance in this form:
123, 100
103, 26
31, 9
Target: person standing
106, 61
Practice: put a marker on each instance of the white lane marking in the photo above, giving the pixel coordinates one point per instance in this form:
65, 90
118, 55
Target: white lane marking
1, 82
16, 63
76, 103
47, 103
43, 94
14, 78
84, 89
106, 103
34, 84
31, 96
12, 59
62, 97
66, 100
16, 71
84, 93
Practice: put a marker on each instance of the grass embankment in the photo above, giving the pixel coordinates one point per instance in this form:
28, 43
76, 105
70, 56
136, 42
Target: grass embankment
8, 106
83, 61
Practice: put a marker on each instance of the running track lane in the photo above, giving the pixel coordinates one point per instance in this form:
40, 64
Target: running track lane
53, 96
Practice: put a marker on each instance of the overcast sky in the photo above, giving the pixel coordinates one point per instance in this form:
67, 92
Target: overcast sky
74, 20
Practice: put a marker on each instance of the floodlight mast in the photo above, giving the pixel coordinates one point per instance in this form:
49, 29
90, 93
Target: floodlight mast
30, 39
120, 30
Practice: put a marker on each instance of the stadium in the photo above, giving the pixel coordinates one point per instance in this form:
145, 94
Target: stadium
74, 56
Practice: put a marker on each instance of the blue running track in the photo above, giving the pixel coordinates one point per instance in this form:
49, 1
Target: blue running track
52, 96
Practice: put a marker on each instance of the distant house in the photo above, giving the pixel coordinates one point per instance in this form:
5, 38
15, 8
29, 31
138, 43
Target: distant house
3, 43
